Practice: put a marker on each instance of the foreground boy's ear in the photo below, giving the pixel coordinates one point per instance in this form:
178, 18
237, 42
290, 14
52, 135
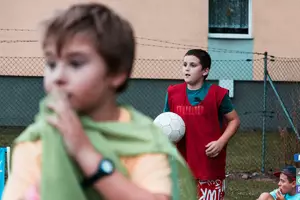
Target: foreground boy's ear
118, 79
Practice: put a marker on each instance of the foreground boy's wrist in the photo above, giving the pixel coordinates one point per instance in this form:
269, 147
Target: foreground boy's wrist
88, 160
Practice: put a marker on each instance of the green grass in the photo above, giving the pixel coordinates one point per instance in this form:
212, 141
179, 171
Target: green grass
244, 155
7, 135
247, 189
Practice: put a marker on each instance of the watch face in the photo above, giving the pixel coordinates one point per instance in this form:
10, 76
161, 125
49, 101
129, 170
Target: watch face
107, 166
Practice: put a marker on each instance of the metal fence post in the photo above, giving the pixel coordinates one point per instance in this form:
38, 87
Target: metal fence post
264, 113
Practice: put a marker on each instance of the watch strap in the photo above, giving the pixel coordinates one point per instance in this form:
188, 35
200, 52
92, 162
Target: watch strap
100, 173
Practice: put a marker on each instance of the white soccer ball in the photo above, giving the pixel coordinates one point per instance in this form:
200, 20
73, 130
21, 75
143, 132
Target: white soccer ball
172, 125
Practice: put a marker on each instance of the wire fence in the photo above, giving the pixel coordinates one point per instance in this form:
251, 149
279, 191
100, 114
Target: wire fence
283, 102
257, 146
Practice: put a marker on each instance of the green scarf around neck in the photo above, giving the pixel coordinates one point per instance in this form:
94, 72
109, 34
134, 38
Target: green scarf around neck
61, 176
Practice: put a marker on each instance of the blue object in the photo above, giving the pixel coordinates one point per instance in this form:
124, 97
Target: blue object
298, 189
297, 157
2, 170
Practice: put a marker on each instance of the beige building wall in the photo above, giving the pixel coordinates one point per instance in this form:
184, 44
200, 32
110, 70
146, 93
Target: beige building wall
276, 28
177, 21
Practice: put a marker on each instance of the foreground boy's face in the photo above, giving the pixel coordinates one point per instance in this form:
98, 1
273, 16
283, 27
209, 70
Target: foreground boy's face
192, 70
284, 185
78, 71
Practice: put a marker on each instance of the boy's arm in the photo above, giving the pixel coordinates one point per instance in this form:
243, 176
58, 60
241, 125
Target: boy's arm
24, 173
227, 110
117, 186
153, 173
233, 125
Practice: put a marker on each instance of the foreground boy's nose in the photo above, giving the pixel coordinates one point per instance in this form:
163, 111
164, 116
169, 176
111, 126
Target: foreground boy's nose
60, 82
59, 78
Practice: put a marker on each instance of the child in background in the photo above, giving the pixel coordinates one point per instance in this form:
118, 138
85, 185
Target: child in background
83, 145
286, 186
210, 121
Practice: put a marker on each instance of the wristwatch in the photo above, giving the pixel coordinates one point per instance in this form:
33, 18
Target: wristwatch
105, 168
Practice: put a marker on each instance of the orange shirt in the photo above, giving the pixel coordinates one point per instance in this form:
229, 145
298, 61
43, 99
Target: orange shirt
148, 171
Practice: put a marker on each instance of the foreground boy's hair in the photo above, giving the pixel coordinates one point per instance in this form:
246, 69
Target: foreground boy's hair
112, 36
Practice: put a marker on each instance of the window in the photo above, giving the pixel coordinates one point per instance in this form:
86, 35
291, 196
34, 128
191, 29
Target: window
230, 18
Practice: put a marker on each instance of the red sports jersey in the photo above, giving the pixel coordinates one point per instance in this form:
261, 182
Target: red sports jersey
202, 127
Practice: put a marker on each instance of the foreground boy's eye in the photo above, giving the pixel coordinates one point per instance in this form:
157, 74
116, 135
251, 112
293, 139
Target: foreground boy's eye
185, 64
51, 64
76, 63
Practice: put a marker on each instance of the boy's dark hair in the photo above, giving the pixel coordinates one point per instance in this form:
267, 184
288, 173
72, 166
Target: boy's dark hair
290, 179
112, 36
203, 56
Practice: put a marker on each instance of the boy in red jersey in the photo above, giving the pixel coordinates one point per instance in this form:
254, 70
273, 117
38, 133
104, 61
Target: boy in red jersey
210, 121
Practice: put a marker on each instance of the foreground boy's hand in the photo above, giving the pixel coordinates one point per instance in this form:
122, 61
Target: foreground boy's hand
68, 124
79, 146
214, 148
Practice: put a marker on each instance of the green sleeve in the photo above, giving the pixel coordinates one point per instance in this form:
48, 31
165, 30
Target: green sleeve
226, 105
166, 108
